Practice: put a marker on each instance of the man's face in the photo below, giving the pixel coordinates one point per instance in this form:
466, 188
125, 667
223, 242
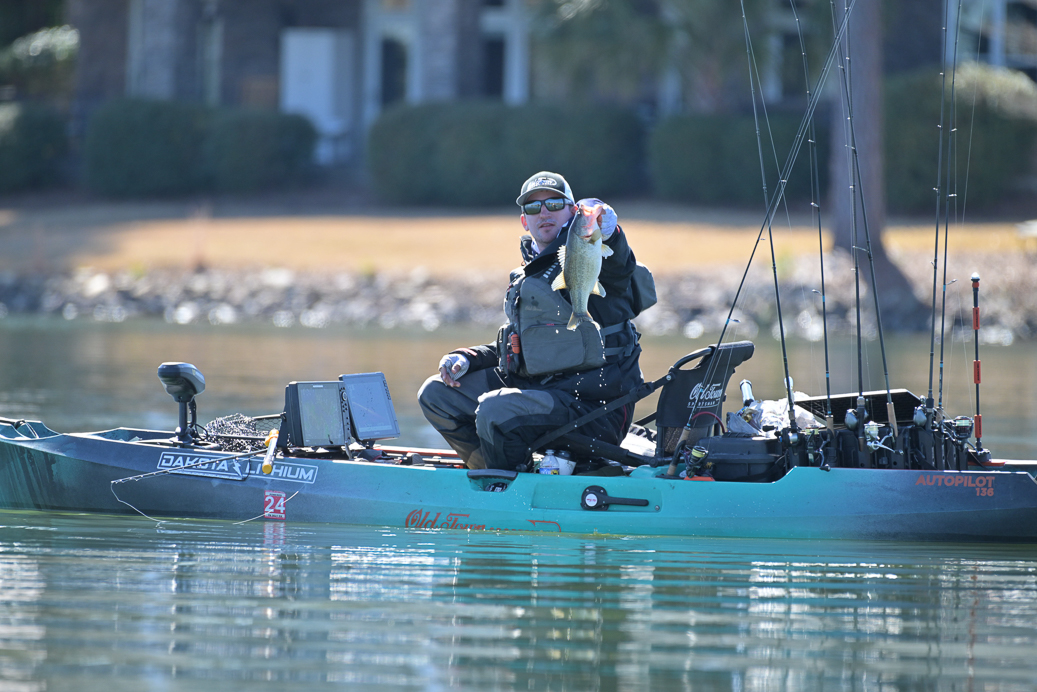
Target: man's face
544, 227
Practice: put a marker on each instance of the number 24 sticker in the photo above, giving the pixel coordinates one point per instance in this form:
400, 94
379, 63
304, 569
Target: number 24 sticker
273, 505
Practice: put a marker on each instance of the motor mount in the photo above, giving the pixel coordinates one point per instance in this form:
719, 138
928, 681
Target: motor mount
183, 382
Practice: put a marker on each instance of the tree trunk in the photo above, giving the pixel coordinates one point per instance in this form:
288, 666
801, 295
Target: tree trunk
900, 308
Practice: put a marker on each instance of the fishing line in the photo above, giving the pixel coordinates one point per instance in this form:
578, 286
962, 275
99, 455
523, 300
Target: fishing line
853, 177
261, 516
857, 188
939, 198
770, 232
951, 157
778, 195
789, 162
163, 472
890, 414
815, 212
203, 462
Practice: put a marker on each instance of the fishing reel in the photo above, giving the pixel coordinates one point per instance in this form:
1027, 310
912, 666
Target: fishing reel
961, 428
693, 458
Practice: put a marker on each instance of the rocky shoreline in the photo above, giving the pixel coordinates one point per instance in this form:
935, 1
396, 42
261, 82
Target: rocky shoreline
692, 305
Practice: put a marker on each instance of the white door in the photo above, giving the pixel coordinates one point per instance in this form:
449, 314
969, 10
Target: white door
316, 81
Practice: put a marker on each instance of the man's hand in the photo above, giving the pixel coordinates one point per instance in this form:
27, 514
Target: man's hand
607, 218
452, 367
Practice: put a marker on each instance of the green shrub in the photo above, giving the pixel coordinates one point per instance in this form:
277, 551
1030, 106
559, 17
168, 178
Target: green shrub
248, 150
139, 148
32, 145
714, 159
994, 140
479, 153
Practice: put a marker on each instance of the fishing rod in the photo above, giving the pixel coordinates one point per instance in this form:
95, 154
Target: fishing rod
793, 429
857, 175
856, 192
951, 181
815, 211
772, 206
930, 413
779, 192
778, 195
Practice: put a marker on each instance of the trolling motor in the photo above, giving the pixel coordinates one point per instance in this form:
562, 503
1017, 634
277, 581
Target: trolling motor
183, 382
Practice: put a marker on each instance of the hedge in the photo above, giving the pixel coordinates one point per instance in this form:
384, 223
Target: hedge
249, 150
478, 153
32, 144
714, 159
994, 142
139, 148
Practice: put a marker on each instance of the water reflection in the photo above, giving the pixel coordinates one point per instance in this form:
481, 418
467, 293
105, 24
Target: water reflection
80, 375
91, 602
94, 601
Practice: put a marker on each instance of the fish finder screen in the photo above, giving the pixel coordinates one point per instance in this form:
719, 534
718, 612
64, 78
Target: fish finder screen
370, 406
321, 414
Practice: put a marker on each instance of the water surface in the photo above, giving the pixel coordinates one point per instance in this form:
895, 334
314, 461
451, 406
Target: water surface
123, 603
83, 375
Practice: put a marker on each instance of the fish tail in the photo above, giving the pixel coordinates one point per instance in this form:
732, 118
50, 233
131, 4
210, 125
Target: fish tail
578, 317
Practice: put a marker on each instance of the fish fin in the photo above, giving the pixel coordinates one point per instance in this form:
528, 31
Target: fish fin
561, 256
559, 282
598, 289
575, 320
606, 251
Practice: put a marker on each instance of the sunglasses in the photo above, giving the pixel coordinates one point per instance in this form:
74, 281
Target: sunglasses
533, 208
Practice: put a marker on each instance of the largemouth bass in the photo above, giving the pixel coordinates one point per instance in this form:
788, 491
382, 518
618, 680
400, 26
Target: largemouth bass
580, 259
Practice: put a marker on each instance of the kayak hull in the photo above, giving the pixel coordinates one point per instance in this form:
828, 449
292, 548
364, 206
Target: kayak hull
129, 471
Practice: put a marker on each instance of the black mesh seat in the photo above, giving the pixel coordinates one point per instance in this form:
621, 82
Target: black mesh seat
695, 393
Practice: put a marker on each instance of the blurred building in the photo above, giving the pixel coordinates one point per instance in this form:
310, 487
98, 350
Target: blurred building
1001, 32
340, 62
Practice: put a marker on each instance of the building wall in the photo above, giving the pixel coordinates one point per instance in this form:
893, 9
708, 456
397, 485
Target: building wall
101, 67
228, 51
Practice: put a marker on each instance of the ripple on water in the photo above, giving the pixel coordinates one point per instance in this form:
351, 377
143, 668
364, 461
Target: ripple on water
91, 602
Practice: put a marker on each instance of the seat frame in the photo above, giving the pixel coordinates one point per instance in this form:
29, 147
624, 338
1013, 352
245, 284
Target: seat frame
681, 403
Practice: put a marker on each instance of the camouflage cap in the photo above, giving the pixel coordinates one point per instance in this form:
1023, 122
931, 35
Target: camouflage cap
545, 180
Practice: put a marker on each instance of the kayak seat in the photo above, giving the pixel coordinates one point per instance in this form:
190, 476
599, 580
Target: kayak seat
688, 393
695, 394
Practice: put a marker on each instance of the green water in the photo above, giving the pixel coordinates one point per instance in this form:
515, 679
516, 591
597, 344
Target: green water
92, 603
90, 376
122, 603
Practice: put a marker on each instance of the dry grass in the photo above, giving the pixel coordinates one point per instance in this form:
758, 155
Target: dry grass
168, 235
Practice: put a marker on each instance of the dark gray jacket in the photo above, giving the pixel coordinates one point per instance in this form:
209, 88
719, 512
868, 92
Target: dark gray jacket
621, 373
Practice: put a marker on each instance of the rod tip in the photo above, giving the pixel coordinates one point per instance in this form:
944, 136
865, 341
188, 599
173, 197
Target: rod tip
975, 276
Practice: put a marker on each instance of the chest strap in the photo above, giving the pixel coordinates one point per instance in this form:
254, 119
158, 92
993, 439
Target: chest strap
625, 350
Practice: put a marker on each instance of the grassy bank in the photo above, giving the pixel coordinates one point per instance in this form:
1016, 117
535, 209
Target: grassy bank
319, 236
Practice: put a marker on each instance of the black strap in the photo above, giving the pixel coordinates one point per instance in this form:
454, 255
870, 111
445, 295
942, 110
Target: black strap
643, 390
618, 328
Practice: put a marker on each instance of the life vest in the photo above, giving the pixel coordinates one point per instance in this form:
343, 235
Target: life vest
536, 341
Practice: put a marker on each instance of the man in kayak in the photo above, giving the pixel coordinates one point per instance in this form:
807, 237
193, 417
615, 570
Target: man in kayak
491, 402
